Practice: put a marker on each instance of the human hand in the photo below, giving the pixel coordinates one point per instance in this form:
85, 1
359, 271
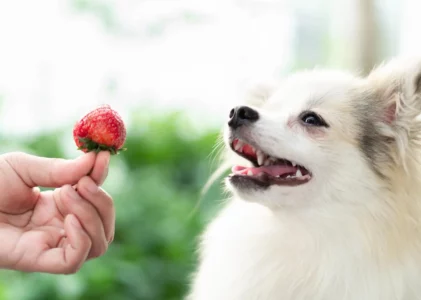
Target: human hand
53, 231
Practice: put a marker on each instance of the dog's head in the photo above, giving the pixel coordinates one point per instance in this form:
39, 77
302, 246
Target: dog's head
326, 133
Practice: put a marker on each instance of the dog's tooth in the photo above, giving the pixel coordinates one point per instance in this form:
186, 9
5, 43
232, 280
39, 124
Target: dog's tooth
250, 173
267, 162
298, 173
239, 145
289, 176
260, 157
293, 163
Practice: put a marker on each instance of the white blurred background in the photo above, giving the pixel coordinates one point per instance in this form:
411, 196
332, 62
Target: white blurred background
60, 58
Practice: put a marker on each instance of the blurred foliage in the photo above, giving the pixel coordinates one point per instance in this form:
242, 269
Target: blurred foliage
104, 10
156, 186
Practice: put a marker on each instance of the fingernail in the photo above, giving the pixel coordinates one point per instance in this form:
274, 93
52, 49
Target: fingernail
104, 176
107, 164
107, 159
92, 187
36, 192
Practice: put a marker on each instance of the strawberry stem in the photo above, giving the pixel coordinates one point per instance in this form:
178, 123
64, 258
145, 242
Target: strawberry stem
90, 145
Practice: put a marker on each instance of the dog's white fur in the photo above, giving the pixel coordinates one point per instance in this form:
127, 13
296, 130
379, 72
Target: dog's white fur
354, 231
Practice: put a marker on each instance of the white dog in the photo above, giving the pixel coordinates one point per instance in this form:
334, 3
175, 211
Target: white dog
326, 200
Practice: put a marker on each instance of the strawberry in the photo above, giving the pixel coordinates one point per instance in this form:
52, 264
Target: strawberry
101, 129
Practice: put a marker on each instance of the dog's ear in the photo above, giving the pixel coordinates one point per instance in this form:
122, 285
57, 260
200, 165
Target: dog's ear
397, 86
257, 93
395, 92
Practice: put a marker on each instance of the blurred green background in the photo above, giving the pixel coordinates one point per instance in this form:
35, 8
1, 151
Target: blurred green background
173, 69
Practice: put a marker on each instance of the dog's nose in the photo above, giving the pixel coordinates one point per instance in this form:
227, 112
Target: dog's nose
242, 115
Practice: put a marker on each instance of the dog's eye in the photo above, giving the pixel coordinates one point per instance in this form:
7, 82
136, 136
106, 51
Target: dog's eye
312, 119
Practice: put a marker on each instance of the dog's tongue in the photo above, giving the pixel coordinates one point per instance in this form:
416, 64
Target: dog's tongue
275, 170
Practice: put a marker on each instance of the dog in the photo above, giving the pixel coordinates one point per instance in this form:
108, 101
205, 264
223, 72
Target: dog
325, 191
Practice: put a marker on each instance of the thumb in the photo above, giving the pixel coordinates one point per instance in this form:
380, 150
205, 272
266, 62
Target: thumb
50, 172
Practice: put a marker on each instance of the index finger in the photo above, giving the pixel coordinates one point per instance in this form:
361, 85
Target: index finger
49, 172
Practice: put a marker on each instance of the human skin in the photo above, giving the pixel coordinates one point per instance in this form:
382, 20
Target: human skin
54, 231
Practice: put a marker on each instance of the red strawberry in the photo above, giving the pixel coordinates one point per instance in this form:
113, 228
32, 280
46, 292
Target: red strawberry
101, 129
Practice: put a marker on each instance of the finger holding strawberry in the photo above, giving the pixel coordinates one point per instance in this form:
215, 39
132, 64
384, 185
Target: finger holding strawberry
57, 231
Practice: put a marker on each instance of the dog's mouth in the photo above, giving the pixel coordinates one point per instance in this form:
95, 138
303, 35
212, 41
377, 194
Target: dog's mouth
267, 170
